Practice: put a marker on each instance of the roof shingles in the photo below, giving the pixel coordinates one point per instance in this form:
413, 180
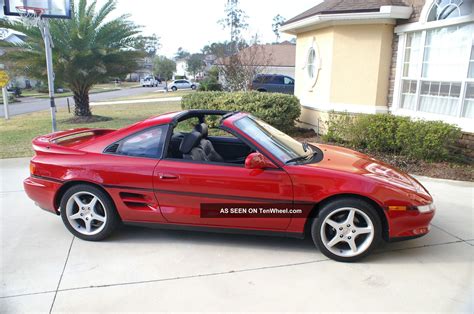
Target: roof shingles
345, 6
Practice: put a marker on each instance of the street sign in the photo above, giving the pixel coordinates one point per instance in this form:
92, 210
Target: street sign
3, 78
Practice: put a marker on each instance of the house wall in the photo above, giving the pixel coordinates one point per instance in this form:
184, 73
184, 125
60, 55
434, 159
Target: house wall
361, 65
354, 72
310, 96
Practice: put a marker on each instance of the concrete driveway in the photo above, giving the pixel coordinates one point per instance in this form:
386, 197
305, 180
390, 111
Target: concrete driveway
45, 269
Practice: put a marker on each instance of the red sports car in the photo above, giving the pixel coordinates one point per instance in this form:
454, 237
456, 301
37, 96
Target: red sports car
239, 175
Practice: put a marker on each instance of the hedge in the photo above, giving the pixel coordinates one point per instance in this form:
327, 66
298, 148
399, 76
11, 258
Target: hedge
420, 139
278, 110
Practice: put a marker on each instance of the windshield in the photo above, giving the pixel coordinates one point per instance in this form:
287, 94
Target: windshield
276, 142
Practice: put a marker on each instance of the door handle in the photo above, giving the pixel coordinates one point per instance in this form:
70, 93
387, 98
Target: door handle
167, 176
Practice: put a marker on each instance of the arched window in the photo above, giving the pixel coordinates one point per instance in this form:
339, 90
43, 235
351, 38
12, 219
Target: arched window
311, 63
447, 9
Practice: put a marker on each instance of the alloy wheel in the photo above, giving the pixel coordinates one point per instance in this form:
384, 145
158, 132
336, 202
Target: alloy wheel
86, 213
347, 232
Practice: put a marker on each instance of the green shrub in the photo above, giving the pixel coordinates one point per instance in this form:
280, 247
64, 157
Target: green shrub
279, 110
426, 140
378, 132
339, 127
211, 82
208, 85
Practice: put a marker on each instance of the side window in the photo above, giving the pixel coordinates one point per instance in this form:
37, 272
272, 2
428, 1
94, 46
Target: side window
277, 80
289, 81
147, 143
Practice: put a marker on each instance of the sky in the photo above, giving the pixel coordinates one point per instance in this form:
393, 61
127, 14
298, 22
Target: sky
191, 24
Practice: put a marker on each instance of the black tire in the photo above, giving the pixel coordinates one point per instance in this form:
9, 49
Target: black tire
174, 88
336, 207
107, 205
193, 87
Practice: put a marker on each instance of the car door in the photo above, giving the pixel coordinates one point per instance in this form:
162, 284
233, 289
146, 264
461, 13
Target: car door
186, 84
182, 186
276, 84
130, 164
289, 85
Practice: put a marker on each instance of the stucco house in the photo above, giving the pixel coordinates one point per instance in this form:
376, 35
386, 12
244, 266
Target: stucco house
181, 68
409, 57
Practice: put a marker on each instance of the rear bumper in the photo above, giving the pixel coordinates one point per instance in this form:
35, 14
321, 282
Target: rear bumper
42, 191
409, 224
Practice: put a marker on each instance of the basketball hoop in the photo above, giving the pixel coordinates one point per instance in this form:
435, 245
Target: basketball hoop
30, 16
36, 13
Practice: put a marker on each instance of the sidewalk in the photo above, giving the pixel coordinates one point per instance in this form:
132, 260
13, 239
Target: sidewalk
136, 101
43, 267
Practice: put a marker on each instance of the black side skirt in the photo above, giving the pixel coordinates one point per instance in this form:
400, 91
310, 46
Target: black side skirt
155, 225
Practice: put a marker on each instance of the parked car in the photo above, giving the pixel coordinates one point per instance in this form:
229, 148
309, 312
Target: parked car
149, 81
158, 173
182, 84
273, 83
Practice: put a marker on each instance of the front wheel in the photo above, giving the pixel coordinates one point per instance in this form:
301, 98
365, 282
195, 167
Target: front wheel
174, 88
347, 230
193, 87
88, 212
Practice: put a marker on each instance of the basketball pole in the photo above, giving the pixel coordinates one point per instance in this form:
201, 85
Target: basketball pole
48, 47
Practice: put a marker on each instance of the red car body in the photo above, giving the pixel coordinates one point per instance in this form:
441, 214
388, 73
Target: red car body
169, 192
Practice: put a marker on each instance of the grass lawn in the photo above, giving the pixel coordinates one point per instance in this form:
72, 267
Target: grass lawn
17, 133
152, 95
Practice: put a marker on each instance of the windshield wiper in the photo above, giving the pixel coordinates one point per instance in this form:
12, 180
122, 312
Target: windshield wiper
309, 156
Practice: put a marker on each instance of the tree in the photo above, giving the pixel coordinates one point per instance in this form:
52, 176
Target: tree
278, 21
89, 48
164, 67
181, 54
148, 44
239, 70
236, 21
195, 63
222, 49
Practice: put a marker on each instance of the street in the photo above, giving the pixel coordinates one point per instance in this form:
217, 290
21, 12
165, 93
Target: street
44, 268
30, 104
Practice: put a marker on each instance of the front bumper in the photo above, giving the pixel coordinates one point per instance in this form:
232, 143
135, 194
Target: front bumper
409, 224
42, 192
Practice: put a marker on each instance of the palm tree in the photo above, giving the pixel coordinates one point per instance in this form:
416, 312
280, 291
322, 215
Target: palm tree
88, 49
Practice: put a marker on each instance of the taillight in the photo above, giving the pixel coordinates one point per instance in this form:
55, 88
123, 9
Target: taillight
32, 168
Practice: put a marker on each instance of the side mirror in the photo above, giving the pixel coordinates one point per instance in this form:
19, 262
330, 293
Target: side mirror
258, 161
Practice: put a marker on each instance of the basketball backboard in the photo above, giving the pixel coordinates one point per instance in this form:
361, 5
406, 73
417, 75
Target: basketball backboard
49, 8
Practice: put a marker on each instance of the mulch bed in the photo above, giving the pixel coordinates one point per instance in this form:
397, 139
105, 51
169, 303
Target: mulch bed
441, 170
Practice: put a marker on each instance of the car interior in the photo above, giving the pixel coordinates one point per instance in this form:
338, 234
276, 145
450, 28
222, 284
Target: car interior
191, 141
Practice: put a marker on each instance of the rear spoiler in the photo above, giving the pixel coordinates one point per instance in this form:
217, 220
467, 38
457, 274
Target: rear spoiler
66, 142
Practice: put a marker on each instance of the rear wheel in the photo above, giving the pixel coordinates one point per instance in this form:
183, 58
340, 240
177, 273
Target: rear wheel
193, 87
88, 212
347, 229
174, 88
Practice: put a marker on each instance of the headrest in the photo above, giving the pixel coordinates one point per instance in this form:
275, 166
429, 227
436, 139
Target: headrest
190, 141
202, 128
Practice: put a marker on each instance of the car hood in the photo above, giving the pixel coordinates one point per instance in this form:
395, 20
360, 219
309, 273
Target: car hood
349, 161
